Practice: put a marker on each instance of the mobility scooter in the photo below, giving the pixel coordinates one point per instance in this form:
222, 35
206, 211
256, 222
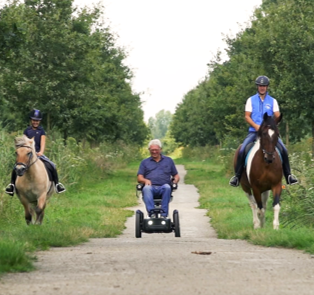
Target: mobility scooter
156, 224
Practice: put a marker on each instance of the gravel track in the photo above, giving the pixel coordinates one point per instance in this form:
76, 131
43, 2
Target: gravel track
163, 264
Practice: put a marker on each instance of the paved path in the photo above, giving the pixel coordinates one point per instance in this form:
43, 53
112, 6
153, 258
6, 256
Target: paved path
162, 264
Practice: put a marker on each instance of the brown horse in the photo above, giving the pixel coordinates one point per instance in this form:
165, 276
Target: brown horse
263, 172
33, 186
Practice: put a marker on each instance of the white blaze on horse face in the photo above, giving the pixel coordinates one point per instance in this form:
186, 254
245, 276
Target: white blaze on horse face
250, 158
271, 132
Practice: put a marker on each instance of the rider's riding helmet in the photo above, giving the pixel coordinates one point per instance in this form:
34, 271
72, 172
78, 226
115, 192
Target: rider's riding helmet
262, 80
35, 115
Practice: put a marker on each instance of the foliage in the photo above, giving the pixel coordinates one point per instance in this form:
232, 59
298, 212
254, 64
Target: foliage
168, 144
192, 122
14, 257
277, 42
159, 127
160, 124
298, 205
201, 153
64, 61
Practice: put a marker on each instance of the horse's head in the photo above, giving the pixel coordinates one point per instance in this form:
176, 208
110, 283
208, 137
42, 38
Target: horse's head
25, 154
268, 134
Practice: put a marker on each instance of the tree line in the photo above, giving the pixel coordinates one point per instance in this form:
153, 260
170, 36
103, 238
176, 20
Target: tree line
64, 61
277, 42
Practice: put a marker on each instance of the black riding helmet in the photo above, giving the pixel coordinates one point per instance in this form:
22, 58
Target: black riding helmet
35, 115
262, 80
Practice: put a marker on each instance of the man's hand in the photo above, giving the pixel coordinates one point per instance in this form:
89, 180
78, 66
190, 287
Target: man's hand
142, 179
148, 182
176, 179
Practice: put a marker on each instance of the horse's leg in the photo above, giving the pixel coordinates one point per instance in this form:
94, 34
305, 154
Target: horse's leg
26, 205
260, 211
265, 196
276, 204
40, 208
31, 210
253, 205
40, 215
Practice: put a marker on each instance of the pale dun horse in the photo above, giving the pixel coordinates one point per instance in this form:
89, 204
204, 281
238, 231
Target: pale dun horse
33, 186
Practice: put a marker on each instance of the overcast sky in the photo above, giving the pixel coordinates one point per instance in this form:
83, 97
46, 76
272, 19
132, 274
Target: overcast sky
170, 42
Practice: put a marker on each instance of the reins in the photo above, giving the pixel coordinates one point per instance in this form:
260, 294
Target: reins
268, 153
28, 165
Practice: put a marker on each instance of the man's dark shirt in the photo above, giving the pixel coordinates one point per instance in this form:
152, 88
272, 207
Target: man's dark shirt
159, 173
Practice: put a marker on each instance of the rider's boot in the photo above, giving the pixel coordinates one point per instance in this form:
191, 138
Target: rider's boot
290, 178
60, 188
235, 180
10, 189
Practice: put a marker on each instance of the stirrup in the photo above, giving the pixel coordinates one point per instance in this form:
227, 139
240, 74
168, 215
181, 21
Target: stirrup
292, 179
60, 188
234, 181
10, 189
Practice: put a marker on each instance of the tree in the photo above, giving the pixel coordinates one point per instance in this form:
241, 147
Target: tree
160, 124
278, 43
64, 61
193, 120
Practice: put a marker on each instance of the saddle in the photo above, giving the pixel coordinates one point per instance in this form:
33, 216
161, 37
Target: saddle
49, 169
249, 147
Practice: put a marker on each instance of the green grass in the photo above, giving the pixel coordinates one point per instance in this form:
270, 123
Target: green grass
14, 257
231, 215
95, 210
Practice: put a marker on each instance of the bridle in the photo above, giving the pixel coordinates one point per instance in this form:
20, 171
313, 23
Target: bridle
268, 153
29, 164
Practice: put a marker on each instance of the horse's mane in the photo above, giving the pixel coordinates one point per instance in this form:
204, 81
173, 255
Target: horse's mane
22, 140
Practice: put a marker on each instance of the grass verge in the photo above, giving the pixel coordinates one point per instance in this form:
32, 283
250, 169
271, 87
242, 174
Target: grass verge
95, 210
231, 215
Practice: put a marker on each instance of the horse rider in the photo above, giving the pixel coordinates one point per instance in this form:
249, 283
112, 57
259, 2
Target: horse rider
34, 130
255, 108
155, 173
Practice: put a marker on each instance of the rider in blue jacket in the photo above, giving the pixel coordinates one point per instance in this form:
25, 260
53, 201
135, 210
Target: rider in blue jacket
256, 106
36, 131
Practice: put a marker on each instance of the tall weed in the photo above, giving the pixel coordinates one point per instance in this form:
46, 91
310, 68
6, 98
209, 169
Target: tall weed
298, 200
7, 159
74, 159
201, 153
